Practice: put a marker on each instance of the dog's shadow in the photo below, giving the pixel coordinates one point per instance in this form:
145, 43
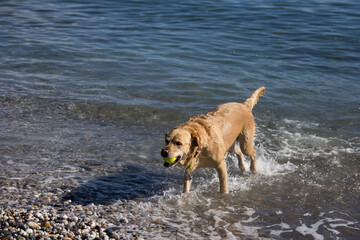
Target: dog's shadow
132, 182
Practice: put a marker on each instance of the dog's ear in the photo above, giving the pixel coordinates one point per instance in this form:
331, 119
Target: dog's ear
195, 141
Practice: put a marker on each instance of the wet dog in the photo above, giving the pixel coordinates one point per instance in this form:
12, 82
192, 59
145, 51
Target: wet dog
204, 141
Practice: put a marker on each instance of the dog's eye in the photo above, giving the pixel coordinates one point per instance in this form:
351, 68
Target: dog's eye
167, 141
178, 143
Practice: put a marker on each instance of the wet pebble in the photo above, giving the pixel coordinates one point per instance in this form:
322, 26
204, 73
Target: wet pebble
32, 224
29, 231
124, 220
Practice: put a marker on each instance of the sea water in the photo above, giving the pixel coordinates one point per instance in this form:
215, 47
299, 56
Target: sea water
88, 89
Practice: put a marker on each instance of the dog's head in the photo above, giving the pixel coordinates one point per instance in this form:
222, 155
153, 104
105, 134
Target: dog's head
181, 144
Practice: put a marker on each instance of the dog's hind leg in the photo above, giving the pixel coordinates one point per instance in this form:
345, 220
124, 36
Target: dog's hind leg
247, 147
240, 156
253, 166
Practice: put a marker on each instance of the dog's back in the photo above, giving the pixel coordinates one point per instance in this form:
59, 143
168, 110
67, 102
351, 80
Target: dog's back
233, 118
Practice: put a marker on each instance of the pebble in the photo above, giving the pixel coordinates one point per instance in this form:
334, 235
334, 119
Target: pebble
124, 220
38, 215
92, 224
32, 224
29, 231
46, 224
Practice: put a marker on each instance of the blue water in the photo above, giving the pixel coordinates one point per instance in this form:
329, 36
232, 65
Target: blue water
93, 86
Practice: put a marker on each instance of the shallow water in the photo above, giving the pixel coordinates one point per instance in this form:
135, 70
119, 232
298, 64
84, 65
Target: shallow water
87, 91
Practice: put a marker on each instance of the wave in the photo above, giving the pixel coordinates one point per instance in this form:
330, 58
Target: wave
18, 107
117, 113
304, 141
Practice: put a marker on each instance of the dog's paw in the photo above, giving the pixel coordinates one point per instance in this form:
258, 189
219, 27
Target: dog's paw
253, 169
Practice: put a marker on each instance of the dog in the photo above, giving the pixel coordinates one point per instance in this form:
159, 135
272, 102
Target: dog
204, 141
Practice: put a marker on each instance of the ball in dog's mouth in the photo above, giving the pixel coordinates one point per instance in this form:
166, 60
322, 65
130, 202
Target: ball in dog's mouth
170, 162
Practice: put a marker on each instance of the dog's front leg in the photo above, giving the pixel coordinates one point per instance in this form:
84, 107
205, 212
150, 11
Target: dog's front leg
222, 171
187, 181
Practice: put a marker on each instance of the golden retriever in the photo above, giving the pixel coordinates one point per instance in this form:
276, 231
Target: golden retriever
204, 141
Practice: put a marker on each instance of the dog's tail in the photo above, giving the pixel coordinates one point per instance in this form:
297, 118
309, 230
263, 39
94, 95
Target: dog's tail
252, 100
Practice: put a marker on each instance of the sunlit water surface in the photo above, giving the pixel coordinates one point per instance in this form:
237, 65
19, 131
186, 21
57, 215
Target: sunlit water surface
87, 91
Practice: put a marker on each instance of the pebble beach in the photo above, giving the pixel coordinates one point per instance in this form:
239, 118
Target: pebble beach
44, 215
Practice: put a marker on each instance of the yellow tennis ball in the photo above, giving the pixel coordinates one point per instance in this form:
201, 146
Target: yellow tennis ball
169, 160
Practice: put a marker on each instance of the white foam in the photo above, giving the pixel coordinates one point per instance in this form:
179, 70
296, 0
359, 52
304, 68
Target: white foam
325, 220
284, 227
249, 211
214, 212
312, 230
299, 124
270, 167
292, 139
267, 165
247, 230
295, 144
50, 179
279, 212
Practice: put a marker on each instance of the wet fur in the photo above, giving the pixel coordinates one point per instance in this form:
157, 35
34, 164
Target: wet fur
214, 135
